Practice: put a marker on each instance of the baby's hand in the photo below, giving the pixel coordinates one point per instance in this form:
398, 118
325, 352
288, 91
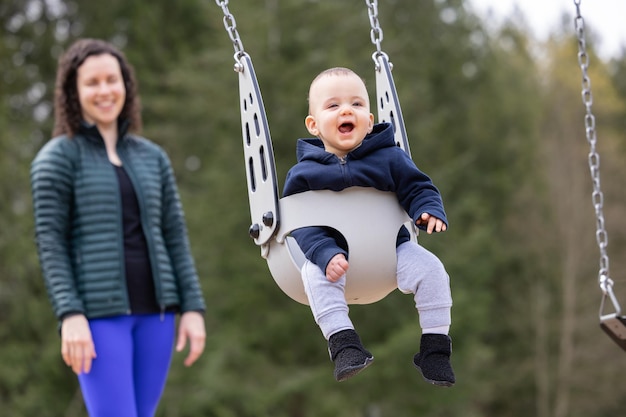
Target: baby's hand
432, 223
336, 268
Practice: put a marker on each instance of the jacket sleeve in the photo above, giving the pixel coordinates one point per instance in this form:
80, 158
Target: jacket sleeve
416, 192
52, 183
177, 242
318, 244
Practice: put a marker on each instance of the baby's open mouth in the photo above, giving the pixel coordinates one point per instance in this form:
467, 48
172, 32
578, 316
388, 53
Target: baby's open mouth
346, 127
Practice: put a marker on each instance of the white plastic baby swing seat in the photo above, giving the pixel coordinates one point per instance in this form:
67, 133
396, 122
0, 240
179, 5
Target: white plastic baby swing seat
369, 219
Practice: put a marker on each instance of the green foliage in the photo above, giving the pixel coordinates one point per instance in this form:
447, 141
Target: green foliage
498, 127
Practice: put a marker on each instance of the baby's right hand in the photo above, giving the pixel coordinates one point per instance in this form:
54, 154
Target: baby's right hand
336, 268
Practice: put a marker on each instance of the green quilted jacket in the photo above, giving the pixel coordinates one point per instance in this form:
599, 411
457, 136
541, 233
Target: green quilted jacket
79, 231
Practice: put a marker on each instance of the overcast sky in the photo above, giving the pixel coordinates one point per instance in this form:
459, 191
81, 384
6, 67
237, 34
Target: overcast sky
606, 17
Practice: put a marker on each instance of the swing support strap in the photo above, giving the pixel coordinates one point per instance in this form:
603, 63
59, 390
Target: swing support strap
257, 143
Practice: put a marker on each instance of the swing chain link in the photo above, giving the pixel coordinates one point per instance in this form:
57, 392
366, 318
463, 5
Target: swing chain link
606, 283
376, 34
231, 27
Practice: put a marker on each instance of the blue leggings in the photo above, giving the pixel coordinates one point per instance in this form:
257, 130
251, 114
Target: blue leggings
128, 376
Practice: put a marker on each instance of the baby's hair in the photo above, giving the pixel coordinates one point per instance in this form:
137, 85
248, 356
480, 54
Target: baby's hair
333, 71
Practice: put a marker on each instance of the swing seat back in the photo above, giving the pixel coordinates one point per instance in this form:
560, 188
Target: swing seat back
368, 219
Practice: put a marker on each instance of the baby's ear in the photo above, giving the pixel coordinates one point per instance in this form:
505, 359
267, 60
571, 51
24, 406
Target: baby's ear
371, 126
311, 125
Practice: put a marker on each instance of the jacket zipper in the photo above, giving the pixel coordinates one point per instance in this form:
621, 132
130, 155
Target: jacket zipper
343, 165
149, 242
120, 241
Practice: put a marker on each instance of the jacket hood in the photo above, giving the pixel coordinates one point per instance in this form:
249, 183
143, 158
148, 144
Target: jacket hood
313, 148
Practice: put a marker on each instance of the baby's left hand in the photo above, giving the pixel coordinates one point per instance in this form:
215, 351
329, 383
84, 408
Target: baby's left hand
432, 223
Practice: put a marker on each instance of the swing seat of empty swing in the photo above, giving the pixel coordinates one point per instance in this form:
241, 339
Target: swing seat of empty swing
615, 326
368, 219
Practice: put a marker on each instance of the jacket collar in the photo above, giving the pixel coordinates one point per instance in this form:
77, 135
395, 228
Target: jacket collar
90, 131
313, 148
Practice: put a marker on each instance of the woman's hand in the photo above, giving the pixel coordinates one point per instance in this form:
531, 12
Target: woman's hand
191, 327
77, 346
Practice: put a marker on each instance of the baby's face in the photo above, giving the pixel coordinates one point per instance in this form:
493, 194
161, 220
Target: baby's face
339, 112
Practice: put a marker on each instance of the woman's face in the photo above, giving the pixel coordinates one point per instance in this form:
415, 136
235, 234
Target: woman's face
101, 90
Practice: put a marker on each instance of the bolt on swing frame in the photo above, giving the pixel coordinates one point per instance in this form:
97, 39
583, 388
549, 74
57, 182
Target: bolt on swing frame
614, 324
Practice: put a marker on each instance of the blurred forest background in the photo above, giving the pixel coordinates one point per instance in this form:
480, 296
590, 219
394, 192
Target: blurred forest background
493, 116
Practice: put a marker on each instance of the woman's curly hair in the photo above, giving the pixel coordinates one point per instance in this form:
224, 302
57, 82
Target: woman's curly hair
67, 110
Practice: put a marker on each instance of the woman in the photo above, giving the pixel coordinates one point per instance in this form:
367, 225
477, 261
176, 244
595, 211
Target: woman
112, 239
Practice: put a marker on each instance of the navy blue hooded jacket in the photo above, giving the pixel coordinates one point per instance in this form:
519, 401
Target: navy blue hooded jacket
378, 162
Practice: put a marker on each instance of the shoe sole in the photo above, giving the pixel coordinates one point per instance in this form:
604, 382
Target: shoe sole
353, 370
445, 384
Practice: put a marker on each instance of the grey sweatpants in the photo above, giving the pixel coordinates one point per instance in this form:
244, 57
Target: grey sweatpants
419, 273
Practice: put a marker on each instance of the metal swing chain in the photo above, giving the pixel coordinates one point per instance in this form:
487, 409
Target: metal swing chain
231, 27
376, 34
606, 283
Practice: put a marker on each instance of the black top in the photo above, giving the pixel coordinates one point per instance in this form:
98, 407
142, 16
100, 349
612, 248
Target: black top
139, 282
